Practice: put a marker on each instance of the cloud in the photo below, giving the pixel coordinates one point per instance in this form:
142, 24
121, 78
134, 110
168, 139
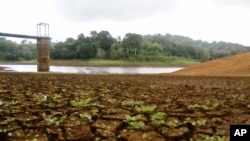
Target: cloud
115, 10
233, 3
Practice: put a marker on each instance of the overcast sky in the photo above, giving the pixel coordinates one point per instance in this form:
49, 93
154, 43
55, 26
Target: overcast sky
208, 20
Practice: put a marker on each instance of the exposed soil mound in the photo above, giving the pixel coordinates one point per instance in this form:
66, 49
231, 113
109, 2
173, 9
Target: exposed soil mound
236, 65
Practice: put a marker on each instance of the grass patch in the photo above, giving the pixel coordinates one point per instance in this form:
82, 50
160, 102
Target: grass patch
167, 61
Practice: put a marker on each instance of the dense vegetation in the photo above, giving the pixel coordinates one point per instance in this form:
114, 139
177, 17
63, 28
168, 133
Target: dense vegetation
133, 47
11, 51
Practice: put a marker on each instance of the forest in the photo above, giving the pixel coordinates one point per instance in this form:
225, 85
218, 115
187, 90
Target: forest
133, 47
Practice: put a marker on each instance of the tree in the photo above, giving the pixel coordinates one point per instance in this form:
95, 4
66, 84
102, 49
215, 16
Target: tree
58, 51
81, 38
116, 51
154, 48
133, 41
24, 42
93, 34
104, 40
132, 46
100, 53
85, 51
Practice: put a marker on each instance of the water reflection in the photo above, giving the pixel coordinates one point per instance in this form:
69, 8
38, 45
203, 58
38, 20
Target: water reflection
95, 70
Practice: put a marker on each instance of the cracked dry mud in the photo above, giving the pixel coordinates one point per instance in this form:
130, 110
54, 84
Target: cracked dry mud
48, 106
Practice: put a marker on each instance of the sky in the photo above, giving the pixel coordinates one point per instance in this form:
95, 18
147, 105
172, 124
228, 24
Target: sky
207, 20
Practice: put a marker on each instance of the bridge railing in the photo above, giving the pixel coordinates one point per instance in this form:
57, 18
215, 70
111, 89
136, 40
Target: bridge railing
23, 36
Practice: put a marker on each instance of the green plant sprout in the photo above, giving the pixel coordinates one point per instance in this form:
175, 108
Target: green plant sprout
97, 138
239, 97
131, 103
201, 122
7, 121
87, 92
53, 120
94, 111
86, 117
215, 105
137, 125
79, 103
56, 96
133, 118
42, 100
173, 123
14, 102
188, 120
193, 106
146, 109
134, 121
158, 118
205, 137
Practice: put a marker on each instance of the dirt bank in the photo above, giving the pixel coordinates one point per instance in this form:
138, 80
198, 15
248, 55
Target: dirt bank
236, 65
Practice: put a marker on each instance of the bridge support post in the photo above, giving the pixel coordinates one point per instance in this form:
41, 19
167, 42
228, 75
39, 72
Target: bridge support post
43, 54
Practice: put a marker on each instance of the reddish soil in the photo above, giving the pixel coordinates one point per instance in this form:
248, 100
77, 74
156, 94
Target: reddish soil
237, 65
52, 107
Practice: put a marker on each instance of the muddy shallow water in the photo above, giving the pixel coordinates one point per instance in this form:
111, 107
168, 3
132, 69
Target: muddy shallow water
46, 106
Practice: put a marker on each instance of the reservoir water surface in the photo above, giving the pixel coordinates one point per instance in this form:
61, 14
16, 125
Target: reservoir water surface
95, 70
